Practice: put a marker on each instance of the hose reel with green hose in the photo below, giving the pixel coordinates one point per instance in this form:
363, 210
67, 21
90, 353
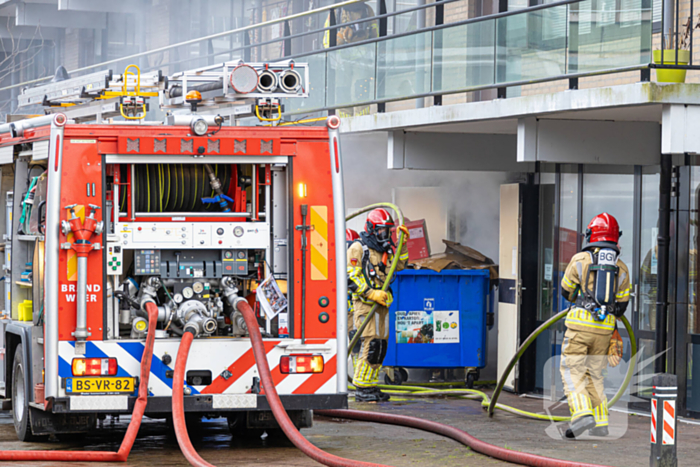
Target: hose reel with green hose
488, 403
174, 187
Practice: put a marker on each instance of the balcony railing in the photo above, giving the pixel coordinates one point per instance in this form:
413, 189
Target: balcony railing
562, 40
545, 43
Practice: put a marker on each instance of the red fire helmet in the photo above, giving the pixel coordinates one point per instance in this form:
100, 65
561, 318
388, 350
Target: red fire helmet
378, 218
351, 235
603, 228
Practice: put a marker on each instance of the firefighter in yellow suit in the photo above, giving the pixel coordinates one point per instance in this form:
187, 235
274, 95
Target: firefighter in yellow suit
369, 260
597, 283
351, 237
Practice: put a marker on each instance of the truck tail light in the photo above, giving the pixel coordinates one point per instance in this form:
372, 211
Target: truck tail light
293, 364
94, 366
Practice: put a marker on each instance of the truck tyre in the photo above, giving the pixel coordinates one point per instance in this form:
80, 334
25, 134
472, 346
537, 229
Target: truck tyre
20, 397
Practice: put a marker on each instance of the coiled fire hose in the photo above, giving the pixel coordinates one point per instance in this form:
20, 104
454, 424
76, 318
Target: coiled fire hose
134, 424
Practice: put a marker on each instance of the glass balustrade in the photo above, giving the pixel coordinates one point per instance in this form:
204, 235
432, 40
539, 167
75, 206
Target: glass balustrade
591, 36
526, 46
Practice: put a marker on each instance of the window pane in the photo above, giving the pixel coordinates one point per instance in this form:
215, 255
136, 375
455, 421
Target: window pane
648, 252
546, 287
531, 45
351, 75
614, 194
403, 66
464, 56
568, 230
693, 263
693, 384
605, 36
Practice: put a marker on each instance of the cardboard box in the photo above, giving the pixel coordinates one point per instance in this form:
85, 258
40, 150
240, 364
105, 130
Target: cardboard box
418, 244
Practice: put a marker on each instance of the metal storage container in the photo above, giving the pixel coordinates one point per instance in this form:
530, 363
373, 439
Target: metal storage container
438, 320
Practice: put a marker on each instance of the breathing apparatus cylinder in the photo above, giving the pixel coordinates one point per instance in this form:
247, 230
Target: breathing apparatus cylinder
600, 301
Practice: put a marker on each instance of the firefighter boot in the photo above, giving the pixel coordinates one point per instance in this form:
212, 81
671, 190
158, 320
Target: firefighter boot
601, 419
599, 431
367, 395
580, 425
383, 397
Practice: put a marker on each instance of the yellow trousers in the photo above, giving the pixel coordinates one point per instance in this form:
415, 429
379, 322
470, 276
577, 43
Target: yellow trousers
368, 364
583, 360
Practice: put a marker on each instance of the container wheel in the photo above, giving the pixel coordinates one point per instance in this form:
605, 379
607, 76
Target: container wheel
400, 376
20, 397
471, 378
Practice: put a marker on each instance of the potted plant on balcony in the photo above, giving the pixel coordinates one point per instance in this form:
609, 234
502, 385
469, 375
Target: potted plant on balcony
669, 75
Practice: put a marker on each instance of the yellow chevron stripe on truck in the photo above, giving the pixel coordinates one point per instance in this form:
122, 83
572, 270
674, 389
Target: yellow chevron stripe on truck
319, 243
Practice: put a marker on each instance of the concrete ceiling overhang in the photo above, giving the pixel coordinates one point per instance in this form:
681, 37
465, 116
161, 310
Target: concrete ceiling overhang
638, 102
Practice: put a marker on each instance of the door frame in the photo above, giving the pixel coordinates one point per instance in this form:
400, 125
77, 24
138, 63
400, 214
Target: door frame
681, 312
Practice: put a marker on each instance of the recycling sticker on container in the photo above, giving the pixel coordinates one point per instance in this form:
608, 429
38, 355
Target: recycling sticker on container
427, 326
446, 327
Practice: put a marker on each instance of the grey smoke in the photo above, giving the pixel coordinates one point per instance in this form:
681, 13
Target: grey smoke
471, 199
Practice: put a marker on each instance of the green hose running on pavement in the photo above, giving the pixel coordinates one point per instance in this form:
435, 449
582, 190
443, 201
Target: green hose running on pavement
492, 403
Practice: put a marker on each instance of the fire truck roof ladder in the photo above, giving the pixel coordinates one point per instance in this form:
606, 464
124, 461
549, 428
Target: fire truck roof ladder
95, 96
234, 89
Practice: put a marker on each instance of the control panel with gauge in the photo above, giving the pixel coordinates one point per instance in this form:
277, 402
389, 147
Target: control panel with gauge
188, 235
186, 264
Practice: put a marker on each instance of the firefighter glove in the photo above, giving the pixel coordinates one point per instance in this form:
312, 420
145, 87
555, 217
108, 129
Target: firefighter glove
378, 296
615, 349
404, 229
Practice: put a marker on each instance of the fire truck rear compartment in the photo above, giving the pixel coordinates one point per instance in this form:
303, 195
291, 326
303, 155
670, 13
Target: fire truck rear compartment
175, 237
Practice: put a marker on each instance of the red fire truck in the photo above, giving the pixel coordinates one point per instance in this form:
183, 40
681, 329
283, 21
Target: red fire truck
106, 211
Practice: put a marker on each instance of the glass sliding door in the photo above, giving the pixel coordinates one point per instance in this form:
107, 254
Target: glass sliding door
559, 195
644, 289
569, 199
692, 341
546, 278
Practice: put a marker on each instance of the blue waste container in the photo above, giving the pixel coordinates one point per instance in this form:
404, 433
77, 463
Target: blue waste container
438, 320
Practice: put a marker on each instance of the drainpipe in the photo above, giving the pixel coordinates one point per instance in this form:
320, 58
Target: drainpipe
668, 26
663, 247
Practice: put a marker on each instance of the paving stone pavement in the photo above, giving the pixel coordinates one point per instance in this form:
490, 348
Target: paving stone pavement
384, 444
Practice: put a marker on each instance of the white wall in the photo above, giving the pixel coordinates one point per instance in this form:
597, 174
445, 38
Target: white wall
471, 198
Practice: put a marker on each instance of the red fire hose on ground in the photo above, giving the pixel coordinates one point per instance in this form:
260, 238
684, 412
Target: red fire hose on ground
183, 439
303, 444
134, 425
456, 434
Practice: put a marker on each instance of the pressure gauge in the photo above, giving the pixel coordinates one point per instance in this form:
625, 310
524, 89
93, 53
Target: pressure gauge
198, 287
187, 292
241, 255
177, 298
220, 231
238, 231
228, 254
